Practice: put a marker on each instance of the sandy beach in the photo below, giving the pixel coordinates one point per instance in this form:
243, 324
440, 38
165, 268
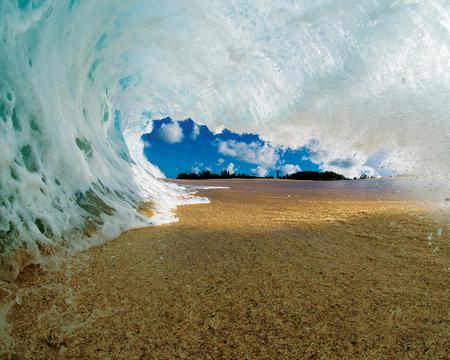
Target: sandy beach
268, 270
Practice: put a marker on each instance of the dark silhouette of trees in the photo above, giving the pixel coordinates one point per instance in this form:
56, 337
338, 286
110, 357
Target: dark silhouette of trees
224, 174
364, 177
315, 175
301, 175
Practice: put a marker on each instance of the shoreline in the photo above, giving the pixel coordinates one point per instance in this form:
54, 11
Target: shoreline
255, 273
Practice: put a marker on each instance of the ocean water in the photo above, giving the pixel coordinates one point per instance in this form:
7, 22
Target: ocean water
362, 78
382, 189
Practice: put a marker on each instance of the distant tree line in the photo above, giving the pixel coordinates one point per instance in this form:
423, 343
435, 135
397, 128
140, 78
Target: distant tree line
301, 175
224, 174
364, 177
314, 175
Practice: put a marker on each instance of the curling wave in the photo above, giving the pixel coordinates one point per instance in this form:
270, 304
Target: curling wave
76, 77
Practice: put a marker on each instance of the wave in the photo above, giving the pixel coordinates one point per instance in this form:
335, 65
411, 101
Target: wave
81, 81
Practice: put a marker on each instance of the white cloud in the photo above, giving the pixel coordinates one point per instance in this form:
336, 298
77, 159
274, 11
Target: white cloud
254, 153
259, 171
195, 169
230, 168
171, 132
218, 129
195, 132
341, 160
289, 169
147, 144
220, 161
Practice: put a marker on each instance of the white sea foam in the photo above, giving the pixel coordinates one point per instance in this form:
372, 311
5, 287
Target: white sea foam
205, 187
76, 77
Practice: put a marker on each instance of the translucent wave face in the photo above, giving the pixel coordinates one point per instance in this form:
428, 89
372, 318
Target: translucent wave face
365, 81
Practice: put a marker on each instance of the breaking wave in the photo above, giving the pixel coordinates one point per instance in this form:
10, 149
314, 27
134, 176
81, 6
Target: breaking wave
77, 77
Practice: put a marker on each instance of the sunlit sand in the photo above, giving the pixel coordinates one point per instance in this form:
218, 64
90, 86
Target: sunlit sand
264, 271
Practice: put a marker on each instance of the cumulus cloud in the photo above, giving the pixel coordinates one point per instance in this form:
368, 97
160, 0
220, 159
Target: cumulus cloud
231, 168
342, 163
195, 132
171, 132
388, 162
289, 169
348, 168
260, 171
338, 160
220, 161
147, 144
254, 153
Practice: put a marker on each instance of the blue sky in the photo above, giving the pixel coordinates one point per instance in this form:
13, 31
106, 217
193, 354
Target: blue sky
185, 146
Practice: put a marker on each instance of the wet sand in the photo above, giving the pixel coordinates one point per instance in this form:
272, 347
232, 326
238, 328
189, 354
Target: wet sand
267, 270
